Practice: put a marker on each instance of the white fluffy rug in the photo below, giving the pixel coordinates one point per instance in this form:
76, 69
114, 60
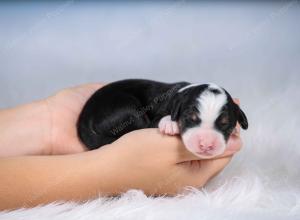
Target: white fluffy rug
262, 181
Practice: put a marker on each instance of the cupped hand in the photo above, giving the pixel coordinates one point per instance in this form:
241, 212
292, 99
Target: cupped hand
64, 109
160, 164
143, 159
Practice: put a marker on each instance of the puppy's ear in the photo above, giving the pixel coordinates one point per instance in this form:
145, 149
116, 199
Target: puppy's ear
175, 107
242, 119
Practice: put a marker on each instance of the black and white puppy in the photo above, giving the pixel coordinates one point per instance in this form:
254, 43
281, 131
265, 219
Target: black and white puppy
203, 114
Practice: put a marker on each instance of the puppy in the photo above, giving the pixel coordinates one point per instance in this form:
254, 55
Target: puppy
204, 115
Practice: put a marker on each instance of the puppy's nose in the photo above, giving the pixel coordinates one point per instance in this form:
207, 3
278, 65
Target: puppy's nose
207, 145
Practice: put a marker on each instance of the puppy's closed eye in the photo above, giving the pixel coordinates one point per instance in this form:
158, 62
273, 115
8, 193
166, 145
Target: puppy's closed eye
192, 116
223, 120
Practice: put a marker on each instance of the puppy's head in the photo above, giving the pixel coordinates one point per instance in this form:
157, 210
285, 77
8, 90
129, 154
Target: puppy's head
206, 115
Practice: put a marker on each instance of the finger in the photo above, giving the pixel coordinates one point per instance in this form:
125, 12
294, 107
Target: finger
214, 166
172, 144
84, 91
89, 86
237, 101
234, 145
184, 155
229, 152
197, 173
237, 130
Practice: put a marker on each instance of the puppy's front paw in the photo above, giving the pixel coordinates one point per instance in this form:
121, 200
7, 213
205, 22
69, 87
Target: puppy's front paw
167, 126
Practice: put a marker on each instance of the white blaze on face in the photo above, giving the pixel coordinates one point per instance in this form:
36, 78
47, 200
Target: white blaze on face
204, 140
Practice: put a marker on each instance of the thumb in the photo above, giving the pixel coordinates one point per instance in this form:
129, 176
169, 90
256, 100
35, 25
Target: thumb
197, 173
212, 167
184, 155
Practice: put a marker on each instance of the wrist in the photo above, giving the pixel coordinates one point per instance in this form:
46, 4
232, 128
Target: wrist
104, 171
118, 171
25, 130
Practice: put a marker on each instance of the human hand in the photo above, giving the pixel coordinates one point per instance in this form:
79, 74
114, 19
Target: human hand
160, 164
64, 109
143, 159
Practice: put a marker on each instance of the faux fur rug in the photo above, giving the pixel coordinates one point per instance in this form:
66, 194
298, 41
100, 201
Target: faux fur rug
261, 182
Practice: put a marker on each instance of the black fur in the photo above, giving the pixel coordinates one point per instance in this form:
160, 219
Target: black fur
124, 106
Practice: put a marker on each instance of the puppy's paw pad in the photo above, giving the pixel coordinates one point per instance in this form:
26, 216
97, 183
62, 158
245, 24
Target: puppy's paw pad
167, 126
